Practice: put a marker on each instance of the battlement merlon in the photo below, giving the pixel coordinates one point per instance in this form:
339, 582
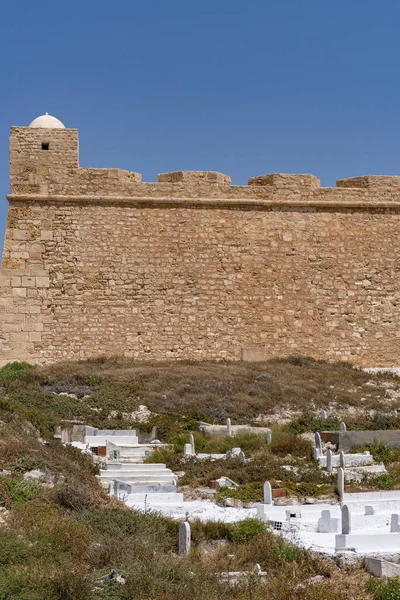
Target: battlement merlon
44, 163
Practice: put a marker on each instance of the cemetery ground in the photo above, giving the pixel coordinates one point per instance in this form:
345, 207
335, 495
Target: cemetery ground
60, 532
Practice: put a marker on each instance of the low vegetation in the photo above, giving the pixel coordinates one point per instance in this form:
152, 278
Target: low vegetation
59, 532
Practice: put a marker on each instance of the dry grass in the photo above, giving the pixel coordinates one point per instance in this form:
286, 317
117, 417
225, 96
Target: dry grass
215, 390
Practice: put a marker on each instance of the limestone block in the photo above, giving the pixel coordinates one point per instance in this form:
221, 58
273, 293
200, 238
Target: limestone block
19, 292
42, 282
284, 180
192, 177
28, 281
382, 568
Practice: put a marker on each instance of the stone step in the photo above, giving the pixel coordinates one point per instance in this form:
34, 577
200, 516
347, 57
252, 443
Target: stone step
138, 477
144, 482
155, 498
99, 440
119, 466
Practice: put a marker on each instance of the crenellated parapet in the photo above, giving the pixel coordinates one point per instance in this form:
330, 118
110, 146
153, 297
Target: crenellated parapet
45, 162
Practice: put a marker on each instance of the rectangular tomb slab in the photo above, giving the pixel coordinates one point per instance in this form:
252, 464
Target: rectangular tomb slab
382, 568
368, 542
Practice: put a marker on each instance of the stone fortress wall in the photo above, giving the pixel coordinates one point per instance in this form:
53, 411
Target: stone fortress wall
97, 263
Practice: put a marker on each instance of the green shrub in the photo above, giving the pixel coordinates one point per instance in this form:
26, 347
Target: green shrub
74, 496
247, 529
112, 590
248, 492
380, 452
17, 491
13, 549
18, 585
121, 524
15, 370
285, 552
385, 482
307, 489
211, 530
284, 443
309, 422
68, 585
383, 589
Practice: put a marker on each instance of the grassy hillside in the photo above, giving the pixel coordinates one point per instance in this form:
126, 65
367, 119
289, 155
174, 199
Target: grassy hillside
61, 532
109, 391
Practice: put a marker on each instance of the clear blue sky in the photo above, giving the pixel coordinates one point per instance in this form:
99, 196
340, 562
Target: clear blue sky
241, 86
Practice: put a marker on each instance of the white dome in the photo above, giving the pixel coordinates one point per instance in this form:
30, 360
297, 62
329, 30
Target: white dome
47, 122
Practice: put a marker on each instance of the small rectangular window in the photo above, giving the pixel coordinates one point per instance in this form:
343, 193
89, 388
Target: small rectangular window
45, 146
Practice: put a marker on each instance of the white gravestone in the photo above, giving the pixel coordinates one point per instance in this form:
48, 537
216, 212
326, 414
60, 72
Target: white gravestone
342, 426
187, 450
323, 415
191, 439
369, 510
326, 524
329, 461
318, 446
341, 460
267, 493
394, 523
346, 520
340, 482
229, 427
269, 437
184, 538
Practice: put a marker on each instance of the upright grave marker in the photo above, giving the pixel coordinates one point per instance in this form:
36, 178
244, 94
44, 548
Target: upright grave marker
267, 493
341, 460
346, 520
394, 523
340, 482
329, 461
184, 538
318, 446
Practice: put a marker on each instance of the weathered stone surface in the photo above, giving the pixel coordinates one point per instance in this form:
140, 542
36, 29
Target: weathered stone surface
329, 460
382, 568
184, 538
96, 262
